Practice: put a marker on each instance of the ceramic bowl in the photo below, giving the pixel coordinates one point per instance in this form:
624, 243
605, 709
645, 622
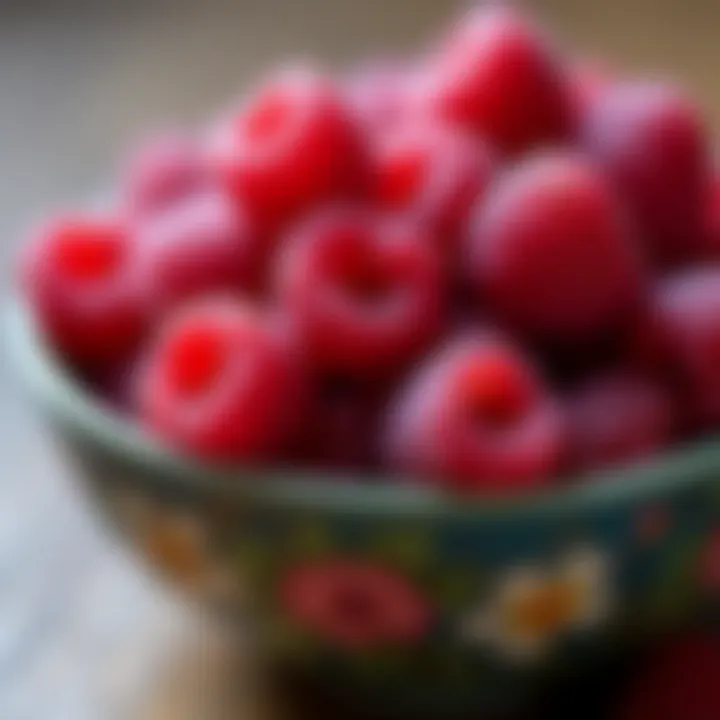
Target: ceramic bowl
394, 594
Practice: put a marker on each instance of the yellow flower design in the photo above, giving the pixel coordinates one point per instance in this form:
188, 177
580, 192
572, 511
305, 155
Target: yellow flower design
532, 606
177, 545
175, 541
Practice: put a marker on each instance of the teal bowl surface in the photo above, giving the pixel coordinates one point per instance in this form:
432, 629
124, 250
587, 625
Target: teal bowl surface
396, 595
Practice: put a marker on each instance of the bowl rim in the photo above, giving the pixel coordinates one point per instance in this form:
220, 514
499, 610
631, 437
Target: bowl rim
53, 387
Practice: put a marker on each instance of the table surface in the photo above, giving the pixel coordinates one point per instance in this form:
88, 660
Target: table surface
85, 634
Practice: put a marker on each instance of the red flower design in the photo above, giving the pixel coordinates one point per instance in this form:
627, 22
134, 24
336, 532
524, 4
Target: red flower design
710, 563
355, 604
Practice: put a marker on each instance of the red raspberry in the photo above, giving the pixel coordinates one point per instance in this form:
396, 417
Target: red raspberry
617, 418
162, 171
476, 418
551, 252
379, 94
498, 76
679, 337
196, 246
711, 249
363, 292
649, 140
220, 382
80, 275
678, 683
292, 145
588, 81
433, 174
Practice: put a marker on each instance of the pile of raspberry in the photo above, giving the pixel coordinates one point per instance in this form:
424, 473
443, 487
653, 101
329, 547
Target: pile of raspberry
486, 268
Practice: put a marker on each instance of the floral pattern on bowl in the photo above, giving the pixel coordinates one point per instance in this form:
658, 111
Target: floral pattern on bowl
531, 607
399, 597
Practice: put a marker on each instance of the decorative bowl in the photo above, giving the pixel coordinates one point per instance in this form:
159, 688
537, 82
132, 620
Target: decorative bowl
397, 596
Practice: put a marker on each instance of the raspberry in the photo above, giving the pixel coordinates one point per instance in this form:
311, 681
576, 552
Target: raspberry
711, 248
80, 275
433, 174
679, 681
199, 245
441, 199
221, 382
679, 338
364, 293
649, 140
552, 254
476, 418
588, 81
617, 418
291, 146
498, 77
163, 170
379, 93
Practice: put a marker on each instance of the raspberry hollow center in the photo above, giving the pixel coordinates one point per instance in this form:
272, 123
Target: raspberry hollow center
361, 273
196, 360
401, 177
85, 255
497, 394
368, 284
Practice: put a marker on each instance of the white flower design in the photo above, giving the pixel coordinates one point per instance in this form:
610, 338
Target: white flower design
533, 606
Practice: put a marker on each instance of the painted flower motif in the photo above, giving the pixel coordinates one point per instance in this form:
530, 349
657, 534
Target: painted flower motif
532, 607
355, 604
177, 543
710, 563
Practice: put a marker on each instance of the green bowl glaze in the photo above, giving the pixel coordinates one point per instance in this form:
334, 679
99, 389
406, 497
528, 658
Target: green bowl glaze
394, 594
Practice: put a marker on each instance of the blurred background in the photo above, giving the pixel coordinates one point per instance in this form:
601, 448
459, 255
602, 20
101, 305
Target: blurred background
84, 634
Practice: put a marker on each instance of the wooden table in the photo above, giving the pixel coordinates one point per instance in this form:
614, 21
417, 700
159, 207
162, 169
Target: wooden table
84, 633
